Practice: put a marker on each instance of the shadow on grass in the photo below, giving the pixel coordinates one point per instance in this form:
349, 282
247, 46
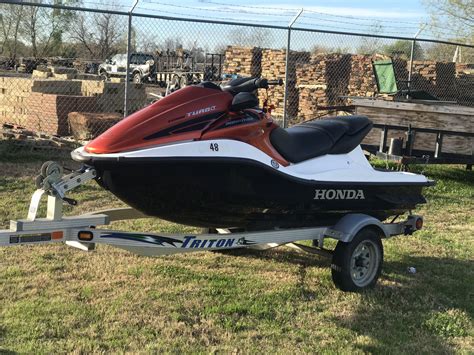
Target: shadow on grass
416, 311
13, 152
281, 255
457, 174
405, 312
3, 333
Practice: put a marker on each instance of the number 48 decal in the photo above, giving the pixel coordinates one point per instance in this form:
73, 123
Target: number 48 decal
214, 147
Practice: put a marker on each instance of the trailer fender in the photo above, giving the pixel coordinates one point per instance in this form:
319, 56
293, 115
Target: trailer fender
349, 225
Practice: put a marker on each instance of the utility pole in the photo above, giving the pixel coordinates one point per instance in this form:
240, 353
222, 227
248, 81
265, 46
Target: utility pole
127, 71
285, 98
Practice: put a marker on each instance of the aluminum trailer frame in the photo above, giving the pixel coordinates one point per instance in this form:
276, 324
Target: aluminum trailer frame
80, 231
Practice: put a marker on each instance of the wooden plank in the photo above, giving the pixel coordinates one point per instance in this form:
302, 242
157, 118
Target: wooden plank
418, 119
410, 106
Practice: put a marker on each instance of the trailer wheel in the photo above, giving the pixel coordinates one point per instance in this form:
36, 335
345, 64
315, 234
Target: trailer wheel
357, 265
103, 75
137, 78
183, 82
175, 82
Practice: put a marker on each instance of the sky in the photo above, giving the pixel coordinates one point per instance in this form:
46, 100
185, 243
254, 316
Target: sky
402, 17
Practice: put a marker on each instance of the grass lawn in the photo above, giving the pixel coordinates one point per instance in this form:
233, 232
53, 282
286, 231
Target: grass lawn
57, 299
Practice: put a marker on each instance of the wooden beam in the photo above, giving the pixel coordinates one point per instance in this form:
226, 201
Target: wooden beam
412, 106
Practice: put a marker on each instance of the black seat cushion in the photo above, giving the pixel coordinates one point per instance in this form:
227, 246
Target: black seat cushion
308, 140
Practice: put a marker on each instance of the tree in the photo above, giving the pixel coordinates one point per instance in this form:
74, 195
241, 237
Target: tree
100, 36
402, 49
43, 28
371, 45
10, 19
441, 52
249, 36
455, 15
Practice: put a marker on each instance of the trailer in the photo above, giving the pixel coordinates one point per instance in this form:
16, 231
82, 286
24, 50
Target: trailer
419, 131
177, 71
356, 260
402, 151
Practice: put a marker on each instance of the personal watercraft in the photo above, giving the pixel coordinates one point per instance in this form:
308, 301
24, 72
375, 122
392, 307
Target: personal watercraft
209, 156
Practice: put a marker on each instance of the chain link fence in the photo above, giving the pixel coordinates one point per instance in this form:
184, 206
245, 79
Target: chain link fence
63, 70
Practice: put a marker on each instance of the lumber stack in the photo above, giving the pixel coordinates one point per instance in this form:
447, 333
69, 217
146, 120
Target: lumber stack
436, 78
322, 82
14, 93
327, 79
88, 125
274, 67
244, 61
362, 80
48, 112
43, 104
311, 98
22, 138
465, 86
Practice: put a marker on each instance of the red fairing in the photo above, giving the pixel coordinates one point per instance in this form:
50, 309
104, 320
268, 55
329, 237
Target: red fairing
182, 115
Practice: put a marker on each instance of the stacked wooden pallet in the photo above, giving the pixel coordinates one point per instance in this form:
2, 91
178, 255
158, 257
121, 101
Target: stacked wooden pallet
437, 78
48, 112
327, 79
244, 61
465, 86
88, 125
426, 69
43, 104
14, 93
311, 99
361, 80
322, 82
274, 67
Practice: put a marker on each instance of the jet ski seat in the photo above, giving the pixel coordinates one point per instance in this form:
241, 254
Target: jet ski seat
309, 140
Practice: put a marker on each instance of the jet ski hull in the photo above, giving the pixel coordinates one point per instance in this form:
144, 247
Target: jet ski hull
236, 192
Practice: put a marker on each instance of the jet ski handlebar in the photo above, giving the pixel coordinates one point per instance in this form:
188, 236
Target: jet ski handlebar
263, 83
249, 84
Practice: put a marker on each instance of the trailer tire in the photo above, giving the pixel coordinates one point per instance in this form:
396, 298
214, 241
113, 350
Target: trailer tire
174, 83
356, 265
137, 78
183, 81
103, 75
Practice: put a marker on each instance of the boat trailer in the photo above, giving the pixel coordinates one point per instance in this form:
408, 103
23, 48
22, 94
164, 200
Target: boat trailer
356, 260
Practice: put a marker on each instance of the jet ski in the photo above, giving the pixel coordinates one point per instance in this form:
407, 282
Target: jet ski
210, 156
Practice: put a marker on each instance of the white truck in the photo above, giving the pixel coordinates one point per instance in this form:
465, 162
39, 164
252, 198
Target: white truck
142, 67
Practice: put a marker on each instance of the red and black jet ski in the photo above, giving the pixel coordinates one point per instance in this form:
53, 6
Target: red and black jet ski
208, 156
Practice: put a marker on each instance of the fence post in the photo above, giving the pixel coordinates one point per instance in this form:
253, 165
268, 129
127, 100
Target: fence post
412, 54
287, 61
127, 70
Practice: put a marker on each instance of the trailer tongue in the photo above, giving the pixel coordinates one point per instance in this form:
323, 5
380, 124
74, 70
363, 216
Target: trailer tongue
356, 261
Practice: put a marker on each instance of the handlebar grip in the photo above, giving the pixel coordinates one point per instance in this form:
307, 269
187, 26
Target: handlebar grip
261, 83
275, 82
